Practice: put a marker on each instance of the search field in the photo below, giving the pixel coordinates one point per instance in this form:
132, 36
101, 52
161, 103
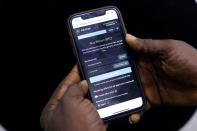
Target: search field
100, 32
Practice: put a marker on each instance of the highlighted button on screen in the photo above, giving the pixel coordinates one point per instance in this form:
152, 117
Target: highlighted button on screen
110, 74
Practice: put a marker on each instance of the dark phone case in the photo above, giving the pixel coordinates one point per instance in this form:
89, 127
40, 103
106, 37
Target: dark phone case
108, 119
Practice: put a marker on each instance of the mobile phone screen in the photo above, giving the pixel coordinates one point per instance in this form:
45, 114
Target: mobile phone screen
107, 66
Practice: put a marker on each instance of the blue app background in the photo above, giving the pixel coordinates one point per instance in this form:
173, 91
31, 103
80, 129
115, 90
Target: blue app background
107, 66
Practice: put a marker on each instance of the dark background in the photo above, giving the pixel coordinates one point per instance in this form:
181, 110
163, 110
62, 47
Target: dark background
36, 54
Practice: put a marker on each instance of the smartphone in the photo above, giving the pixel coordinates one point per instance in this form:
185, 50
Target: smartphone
98, 39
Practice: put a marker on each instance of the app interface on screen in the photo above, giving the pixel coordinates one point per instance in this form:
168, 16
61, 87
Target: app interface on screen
102, 52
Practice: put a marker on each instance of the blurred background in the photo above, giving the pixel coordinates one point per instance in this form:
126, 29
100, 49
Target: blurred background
36, 54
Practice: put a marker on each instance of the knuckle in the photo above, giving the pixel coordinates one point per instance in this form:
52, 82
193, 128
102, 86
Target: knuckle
145, 44
64, 85
71, 96
171, 42
88, 105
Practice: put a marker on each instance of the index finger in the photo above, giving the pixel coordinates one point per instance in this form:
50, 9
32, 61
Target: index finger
149, 45
71, 78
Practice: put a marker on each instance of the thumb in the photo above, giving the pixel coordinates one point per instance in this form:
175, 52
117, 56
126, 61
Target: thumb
84, 85
146, 45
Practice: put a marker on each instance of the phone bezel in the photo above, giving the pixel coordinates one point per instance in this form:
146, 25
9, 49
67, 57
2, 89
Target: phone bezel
69, 24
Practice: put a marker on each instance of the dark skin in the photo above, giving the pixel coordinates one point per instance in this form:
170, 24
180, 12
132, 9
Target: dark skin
68, 110
168, 72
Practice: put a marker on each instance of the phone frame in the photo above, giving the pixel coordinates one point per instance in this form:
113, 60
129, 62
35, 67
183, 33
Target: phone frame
69, 26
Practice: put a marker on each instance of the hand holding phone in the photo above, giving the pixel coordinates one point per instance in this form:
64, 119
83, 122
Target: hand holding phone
98, 39
169, 86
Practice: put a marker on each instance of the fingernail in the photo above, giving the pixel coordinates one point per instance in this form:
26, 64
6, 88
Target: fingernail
131, 37
130, 121
84, 83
